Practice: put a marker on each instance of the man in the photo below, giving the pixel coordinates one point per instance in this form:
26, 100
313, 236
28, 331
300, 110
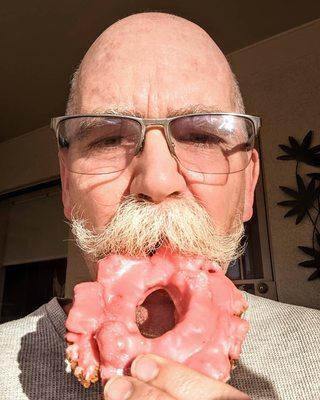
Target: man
116, 189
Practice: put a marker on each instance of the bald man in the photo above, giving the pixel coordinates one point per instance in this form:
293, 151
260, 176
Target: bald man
165, 85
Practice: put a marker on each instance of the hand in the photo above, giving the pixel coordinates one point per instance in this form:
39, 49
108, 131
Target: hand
155, 378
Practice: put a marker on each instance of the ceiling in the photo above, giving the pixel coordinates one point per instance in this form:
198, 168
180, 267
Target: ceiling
43, 41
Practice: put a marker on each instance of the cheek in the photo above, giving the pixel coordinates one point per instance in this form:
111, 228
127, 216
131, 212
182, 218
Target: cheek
222, 202
97, 197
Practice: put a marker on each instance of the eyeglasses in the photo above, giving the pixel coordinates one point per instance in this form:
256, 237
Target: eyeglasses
210, 143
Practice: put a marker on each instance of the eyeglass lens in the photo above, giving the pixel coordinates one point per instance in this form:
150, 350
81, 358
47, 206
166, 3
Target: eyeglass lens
210, 143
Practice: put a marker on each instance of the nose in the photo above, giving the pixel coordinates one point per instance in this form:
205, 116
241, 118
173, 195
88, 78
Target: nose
156, 173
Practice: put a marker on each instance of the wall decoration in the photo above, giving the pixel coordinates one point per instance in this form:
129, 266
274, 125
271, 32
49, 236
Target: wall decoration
305, 198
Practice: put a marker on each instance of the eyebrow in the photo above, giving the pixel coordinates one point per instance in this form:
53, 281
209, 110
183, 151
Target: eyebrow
118, 110
192, 109
172, 112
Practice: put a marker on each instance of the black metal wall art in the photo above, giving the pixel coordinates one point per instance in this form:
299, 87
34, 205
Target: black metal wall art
305, 197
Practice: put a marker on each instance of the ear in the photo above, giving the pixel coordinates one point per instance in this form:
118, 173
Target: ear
64, 174
252, 175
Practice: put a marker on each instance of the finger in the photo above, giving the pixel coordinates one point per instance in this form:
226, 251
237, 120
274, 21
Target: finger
128, 388
181, 382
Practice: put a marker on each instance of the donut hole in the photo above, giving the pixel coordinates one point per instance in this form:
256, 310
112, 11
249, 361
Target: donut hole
156, 315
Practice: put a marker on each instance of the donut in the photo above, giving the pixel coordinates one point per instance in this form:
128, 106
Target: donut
102, 333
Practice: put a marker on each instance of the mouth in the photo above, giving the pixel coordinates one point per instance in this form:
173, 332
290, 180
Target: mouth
154, 249
156, 315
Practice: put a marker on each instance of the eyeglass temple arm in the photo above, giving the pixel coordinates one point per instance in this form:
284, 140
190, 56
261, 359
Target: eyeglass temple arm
62, 142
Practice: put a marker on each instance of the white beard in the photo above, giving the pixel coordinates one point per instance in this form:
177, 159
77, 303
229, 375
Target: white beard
139, 227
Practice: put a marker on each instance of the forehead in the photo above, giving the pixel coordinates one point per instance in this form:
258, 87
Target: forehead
155, 80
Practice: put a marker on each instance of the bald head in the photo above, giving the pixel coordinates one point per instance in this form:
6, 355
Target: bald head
151, 64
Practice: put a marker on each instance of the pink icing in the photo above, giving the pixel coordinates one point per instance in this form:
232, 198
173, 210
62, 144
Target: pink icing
101, 327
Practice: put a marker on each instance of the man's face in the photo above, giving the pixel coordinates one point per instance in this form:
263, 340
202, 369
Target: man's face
153, 72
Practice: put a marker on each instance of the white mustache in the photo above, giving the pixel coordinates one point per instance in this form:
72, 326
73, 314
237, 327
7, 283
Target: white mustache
139, 227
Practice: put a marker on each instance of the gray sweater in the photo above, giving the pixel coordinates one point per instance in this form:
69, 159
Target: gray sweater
280, 357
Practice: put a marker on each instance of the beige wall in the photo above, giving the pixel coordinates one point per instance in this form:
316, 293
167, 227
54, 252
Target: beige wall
77, 270
32, 225
280, 80
28, 160
36, 229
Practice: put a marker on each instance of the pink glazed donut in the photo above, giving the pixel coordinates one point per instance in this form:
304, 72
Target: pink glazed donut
102, 333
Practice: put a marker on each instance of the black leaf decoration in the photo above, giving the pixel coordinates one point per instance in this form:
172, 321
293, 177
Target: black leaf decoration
315, 261
301, 152
314, 175
305, 199
314, 275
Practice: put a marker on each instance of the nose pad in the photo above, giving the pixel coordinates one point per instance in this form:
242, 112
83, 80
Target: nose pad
156, 175
166, 136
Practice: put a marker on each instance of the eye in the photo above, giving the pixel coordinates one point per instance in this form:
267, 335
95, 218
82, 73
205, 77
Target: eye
111, 141
198, 138
205, 138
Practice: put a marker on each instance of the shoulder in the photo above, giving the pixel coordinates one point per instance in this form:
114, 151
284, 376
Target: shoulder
284, 325
29, 331
14, 334
263, 302
13, 330
49, 312
27, 343
32, 353
265, 311
281, 353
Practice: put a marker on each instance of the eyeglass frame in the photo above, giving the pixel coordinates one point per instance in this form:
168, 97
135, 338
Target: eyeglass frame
156, 122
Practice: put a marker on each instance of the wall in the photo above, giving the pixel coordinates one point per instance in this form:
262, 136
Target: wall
36, 229
28, 160
32, 225
77, 270
280, 81
25, 161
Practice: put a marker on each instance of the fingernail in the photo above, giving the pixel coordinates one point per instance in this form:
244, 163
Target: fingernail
144, 368
118, 388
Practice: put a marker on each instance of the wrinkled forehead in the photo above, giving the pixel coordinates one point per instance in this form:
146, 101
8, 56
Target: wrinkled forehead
154, 72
